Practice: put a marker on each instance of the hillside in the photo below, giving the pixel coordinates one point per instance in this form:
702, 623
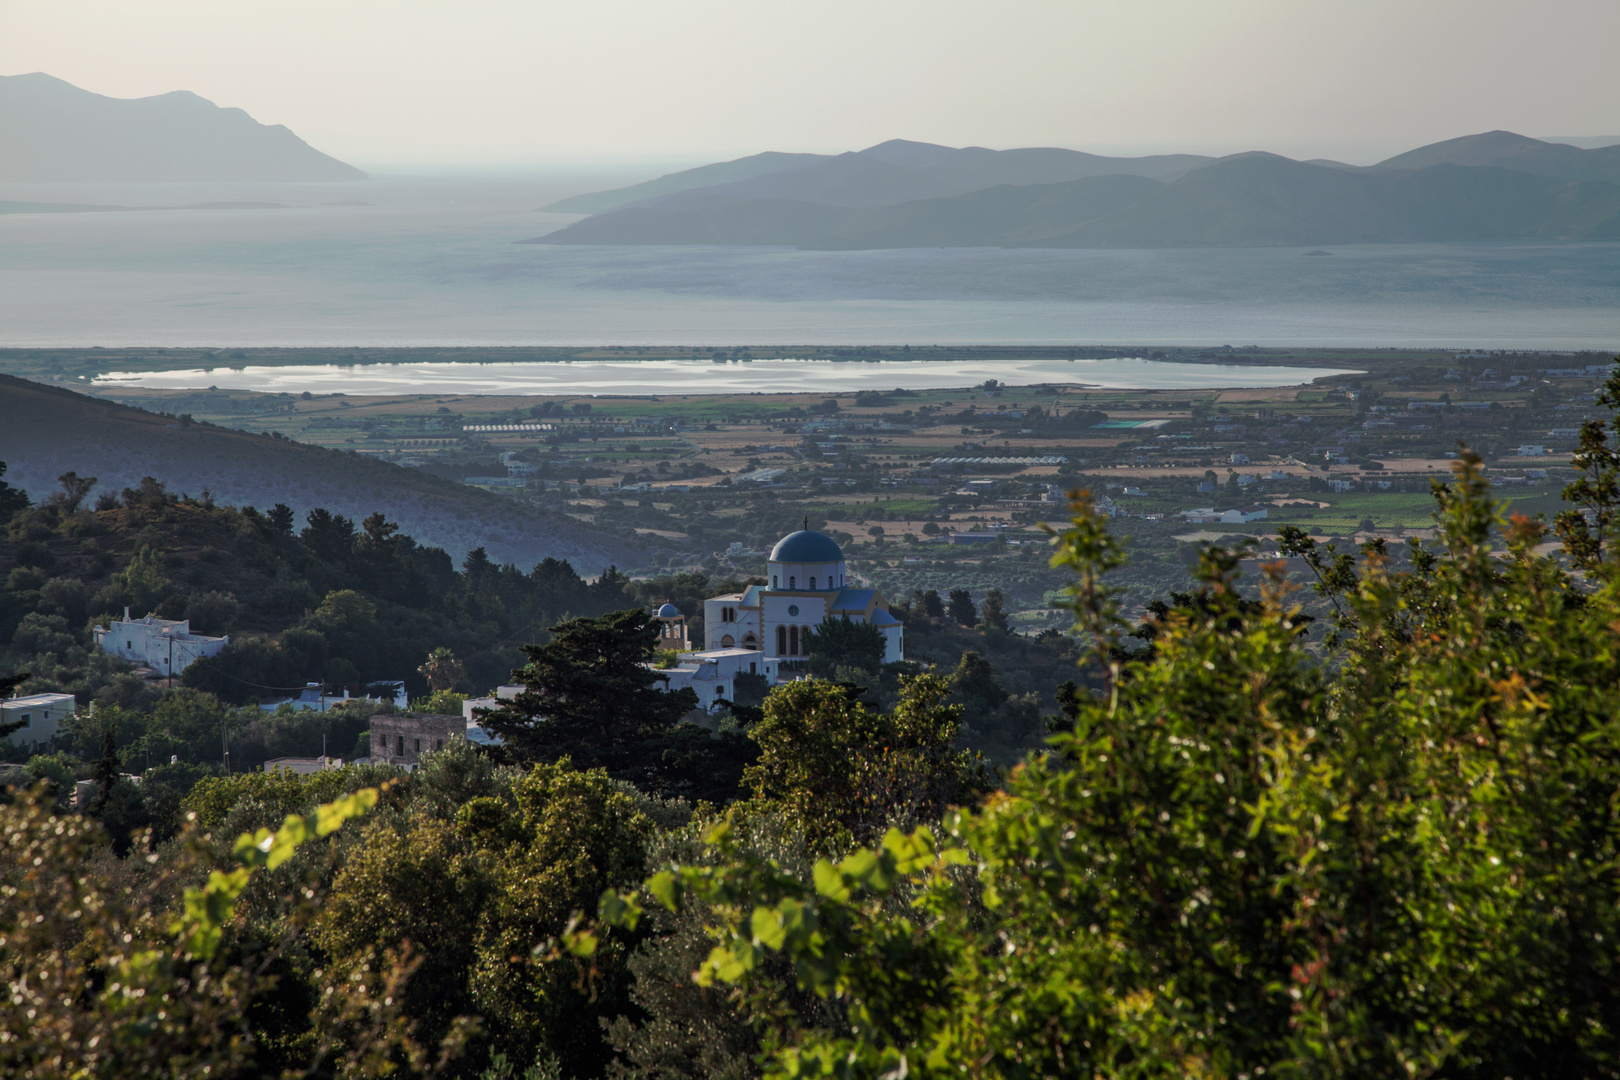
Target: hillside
721, 172
1245, 200
54, 131
1505, 150
49, 431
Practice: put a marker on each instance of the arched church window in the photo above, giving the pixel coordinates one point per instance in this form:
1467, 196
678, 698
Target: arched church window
812, 584
773, 581
793, 641
793, 582
750, 642
728, 642
781, 642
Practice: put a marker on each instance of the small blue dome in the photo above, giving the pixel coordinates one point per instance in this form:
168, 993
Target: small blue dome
807, 546
669, 611
883, 618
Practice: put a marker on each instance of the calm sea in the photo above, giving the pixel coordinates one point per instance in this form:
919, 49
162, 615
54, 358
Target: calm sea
431, 261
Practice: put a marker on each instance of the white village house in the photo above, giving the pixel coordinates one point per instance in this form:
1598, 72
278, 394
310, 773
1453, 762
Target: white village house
167, 646
473, 708
40, 715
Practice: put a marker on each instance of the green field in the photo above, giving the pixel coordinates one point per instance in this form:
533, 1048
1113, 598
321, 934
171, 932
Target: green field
1390, 510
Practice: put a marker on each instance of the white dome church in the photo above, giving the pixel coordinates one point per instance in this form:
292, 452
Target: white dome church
806, 575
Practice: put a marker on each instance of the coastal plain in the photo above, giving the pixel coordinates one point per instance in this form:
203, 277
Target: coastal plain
930, 488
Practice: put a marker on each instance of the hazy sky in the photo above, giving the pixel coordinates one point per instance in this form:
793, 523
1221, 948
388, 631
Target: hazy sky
520, 81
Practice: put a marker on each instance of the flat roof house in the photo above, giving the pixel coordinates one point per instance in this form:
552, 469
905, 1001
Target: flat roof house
40, 715
712, 674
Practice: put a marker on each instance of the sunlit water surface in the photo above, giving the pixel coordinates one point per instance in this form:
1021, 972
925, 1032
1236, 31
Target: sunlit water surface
710, 377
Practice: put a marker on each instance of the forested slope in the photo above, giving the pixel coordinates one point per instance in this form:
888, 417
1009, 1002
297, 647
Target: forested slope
49, 430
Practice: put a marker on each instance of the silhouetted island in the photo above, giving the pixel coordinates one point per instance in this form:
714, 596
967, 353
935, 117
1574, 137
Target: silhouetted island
55, 131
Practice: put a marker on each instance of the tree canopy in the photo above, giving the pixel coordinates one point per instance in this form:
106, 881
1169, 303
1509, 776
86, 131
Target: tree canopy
847, 772
844, 642
589, 694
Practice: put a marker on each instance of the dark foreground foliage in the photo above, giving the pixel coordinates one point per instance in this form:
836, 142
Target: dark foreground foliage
1238, 861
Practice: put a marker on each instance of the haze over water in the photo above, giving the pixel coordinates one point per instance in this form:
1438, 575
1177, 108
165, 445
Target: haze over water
432, 261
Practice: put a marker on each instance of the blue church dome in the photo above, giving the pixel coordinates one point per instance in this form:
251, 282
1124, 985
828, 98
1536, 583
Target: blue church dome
807, 546
669, 611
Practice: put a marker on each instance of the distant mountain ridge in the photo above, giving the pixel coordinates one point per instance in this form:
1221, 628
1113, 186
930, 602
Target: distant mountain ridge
889, 172
1496, 185
53, 131
1505, 150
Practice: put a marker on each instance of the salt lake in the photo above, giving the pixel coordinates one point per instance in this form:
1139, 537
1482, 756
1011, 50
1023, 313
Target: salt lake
718, 377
